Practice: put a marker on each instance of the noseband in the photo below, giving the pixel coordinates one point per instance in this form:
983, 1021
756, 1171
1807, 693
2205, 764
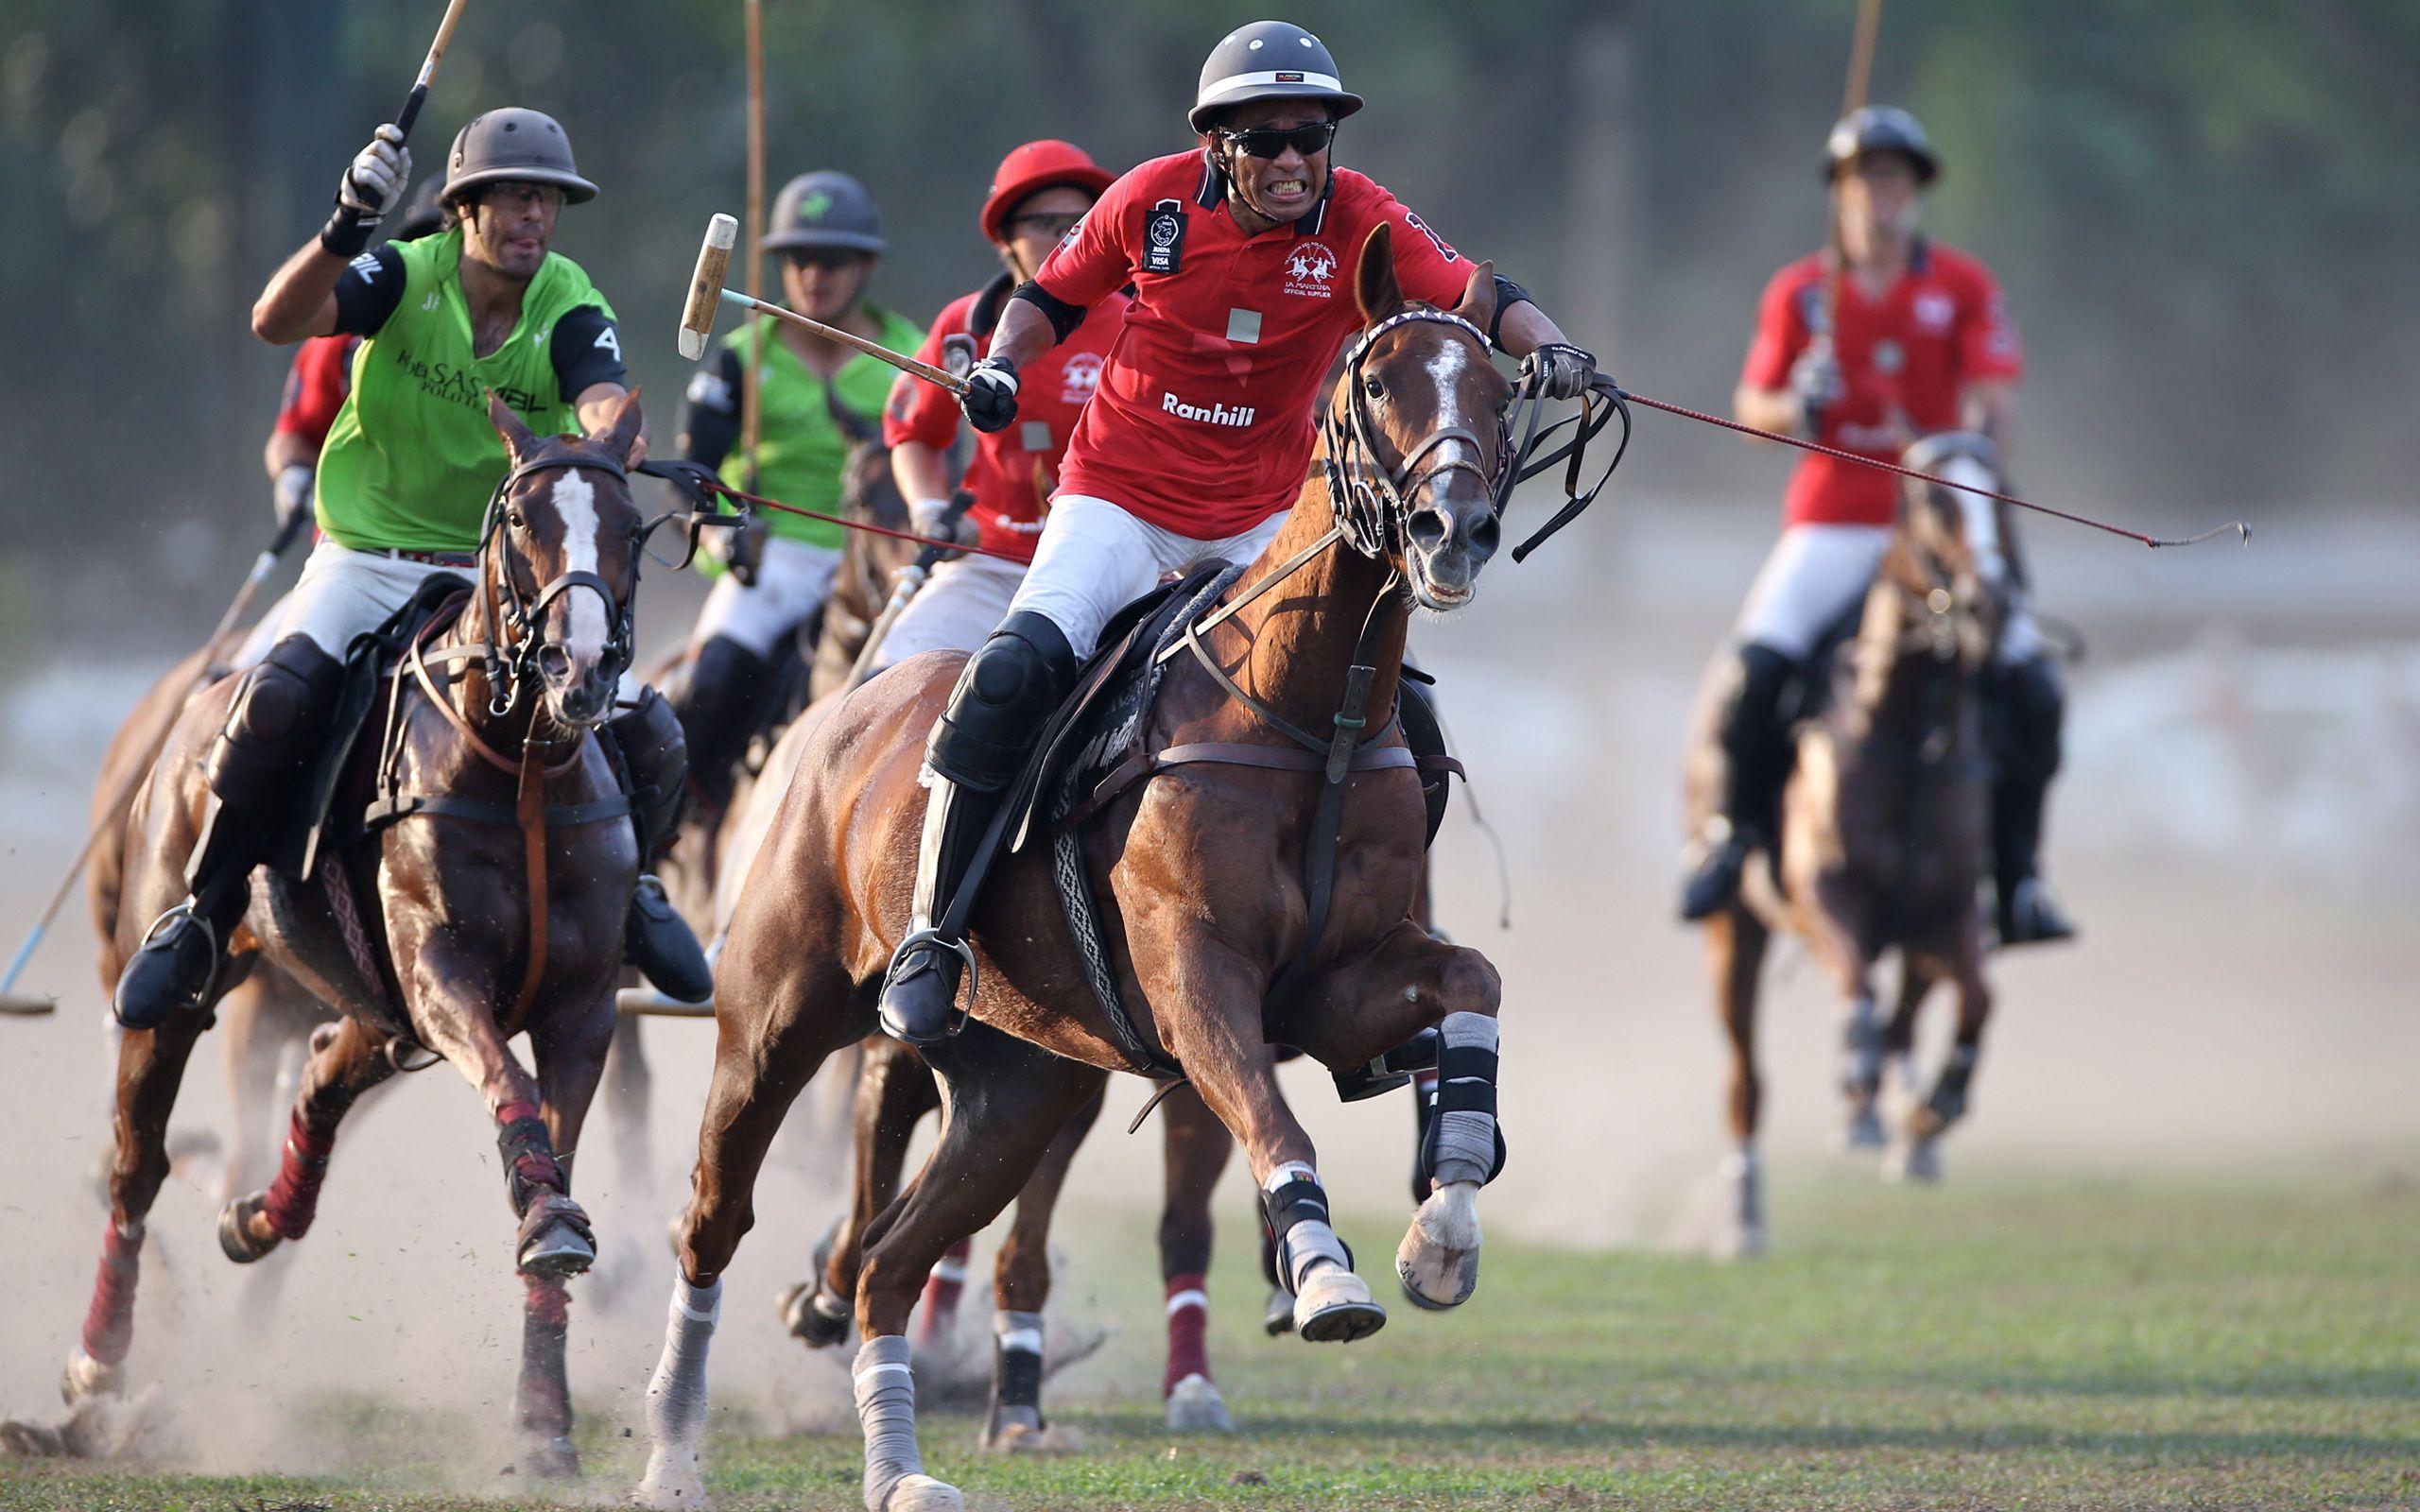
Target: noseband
1373, 501
517, 645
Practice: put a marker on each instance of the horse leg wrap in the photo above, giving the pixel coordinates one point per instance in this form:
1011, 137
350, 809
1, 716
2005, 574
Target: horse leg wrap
1463, 1140
528, 1155
1948, 1103
540, 1193
1861, 1050
886, 1395
1016, 1375
1294, 1206
293, 1198
1188, 1322
676, 1396
108, 1323
545, 1401
942, 1289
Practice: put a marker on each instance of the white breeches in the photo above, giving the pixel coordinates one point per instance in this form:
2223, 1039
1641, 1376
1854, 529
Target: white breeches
793, 580
963, 602
341, 594
1094, 559
1818, 573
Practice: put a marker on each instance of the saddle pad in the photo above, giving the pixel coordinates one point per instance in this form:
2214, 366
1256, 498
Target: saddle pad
371, 658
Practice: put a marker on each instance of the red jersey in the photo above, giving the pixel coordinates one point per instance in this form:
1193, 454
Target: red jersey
316, 385
1051, 395
1204, 424
1942, 326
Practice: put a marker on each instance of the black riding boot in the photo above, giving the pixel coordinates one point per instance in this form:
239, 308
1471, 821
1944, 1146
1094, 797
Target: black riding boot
1754, 756
656, 938
718, 705
996, 715
2032, 707
280, 713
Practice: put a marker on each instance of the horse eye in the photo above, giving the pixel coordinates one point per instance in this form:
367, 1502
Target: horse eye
1374, 388
517, 520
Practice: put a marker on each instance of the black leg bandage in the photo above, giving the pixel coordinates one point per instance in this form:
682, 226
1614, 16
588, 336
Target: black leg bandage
1463, 1140
1294, 1207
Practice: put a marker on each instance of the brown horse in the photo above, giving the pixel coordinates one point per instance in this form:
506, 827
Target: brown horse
501, 878
1205, 905
1883, 832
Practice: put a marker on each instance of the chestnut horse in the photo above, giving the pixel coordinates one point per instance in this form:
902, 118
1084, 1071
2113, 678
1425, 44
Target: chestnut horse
1208, 876
1883, 834
504, 787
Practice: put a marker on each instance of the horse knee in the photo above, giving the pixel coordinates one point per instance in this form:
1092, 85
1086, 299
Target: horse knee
1021, 1275
1468, 983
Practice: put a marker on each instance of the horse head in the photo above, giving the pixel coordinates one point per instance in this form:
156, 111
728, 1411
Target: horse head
869, 491
1952, 556
1416, 432
558, 566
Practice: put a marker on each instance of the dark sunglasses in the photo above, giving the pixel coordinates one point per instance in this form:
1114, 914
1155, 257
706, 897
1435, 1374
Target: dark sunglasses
1048, 227
1272, 141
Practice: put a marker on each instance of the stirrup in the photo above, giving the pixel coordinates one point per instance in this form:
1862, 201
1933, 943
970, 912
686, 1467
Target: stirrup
189, 1002
929, 939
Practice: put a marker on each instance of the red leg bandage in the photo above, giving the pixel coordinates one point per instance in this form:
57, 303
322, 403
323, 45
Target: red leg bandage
1188, 1321
293, 1198
108, 1323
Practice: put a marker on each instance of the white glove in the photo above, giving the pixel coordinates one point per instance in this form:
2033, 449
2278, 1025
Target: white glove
292, 491
929, 518
380, 173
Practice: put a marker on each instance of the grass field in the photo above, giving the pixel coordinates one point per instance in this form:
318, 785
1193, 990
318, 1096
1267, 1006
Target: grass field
2004, 1342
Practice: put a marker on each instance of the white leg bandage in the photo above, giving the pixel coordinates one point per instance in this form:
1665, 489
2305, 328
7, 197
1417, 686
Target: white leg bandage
676, 1397
886, 1392
1465, 1141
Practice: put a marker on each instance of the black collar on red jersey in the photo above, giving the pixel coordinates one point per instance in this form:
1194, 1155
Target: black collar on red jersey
1213, 192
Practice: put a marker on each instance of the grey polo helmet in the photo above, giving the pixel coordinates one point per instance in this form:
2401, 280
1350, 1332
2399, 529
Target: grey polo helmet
1880, 128
1268, 60
516, 144
825, 209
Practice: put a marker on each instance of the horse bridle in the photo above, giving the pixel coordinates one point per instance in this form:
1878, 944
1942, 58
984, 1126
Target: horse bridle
517, 645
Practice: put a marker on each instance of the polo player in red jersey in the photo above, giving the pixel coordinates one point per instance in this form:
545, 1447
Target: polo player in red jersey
1240, 255
1041, 189
1917, 341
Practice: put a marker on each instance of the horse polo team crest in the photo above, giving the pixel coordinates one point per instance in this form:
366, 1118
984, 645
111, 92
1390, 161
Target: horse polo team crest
1080, 378
1311, 270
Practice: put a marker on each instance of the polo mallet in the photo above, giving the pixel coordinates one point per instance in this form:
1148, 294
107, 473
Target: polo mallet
419, 96
11, 1004
706, 291
1853, 95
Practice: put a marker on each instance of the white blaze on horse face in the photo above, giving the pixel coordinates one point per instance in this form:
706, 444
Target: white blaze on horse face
576, 505
1446, 368
1982, 515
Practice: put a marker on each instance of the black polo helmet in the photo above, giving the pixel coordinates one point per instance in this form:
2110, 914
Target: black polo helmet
1880, 128
1268, 60
516, 144
825, 209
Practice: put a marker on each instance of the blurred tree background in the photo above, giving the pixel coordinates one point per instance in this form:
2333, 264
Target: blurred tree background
2206, 216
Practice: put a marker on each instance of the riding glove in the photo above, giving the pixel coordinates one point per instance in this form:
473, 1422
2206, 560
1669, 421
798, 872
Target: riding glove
293, 491
933, 520
1817, 380
1565, 372
373, 185
991, 396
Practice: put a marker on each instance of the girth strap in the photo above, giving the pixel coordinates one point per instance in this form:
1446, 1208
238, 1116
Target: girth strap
1141, 766
558, 815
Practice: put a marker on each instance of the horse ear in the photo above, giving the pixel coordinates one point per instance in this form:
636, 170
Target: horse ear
1479, 297
520, 442
860, 430
1374, 284
622, 432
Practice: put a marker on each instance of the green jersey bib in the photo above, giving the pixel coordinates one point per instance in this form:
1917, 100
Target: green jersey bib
798, 450
411, 459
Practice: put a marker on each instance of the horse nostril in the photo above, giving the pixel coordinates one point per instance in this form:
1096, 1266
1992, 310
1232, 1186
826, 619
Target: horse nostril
1428, 528
1485, 537
554, 663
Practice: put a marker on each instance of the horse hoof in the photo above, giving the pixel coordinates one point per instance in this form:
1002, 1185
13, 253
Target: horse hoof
1918, 1161
1278, 1318
1028, 1434
1335, 1307
1863, 1130
672, 1483
1195, 1408
236, 1231
1438, 1261
86, 1379
811, 1316
551, 1459
558, 1252
922, 1493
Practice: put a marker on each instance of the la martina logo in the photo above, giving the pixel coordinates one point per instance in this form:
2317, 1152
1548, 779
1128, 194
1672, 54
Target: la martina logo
460, 385
1310, 270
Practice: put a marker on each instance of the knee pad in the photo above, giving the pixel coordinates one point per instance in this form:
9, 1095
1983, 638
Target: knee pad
277, 718
656, 757
1425, 734
996, 713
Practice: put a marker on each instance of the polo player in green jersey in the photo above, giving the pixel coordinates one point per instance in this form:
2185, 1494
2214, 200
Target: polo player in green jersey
828, 232
402, 488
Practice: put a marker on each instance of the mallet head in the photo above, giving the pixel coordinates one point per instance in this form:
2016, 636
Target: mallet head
705, 285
